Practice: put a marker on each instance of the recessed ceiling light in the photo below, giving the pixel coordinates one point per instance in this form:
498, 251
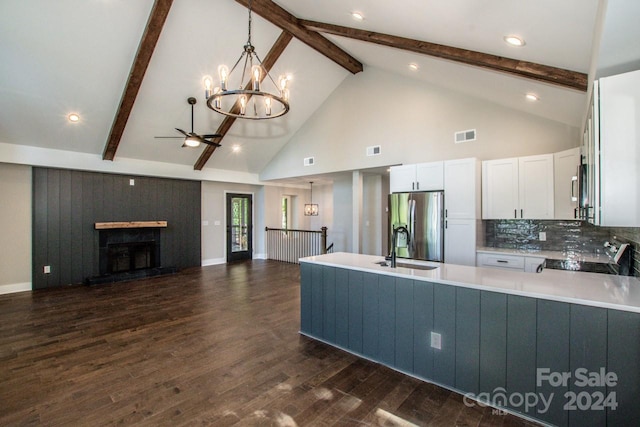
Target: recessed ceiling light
235, 148
413, 66
532, 97
357, 16
514, 41
73, 118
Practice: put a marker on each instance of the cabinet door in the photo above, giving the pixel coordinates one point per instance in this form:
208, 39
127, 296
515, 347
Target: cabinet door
565, 183
535, 181
460, 241
461, 189
500, 189
402, 178
430, 176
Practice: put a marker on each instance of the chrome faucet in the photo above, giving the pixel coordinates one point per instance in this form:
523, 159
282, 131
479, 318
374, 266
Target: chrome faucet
394, 239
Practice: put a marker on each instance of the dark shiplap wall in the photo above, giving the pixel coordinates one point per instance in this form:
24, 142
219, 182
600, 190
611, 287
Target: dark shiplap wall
67, 204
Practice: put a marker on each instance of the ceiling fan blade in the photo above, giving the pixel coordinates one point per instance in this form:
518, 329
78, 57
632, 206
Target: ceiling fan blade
183, 132
215, 144
212, 135
203, 140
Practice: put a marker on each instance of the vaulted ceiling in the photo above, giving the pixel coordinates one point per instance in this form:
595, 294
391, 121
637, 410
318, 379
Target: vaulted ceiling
128, 67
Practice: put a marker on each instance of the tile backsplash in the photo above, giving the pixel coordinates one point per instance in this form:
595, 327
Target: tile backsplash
568, 236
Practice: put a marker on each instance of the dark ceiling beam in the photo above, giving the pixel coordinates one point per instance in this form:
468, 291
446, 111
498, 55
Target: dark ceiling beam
268, 63
286, 21
147, 45
529, 70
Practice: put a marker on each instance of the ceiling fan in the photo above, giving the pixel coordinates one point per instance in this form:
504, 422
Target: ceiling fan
192, 139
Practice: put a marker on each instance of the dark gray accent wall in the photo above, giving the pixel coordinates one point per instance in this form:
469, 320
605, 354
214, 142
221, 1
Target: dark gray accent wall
68, 203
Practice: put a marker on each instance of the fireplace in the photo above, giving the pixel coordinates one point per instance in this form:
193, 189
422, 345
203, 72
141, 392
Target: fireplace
124, 250
130, 256
129, 250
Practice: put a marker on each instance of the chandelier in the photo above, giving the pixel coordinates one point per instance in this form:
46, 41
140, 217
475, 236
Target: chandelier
311, 209
248, 98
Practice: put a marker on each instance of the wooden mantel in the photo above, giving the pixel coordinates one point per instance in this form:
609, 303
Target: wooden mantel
129, 224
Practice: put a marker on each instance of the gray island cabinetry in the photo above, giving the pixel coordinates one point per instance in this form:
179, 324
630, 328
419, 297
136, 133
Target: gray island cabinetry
563, 360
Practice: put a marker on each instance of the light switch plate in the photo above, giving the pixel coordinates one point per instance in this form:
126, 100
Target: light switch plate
47, 269
543, 236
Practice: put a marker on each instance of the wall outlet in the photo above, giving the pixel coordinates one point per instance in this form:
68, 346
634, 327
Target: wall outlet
543, 236
132, 182
47, 269
436, 340
216, 222
205, 223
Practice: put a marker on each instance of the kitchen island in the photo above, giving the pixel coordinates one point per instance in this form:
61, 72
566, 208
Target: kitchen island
546, 346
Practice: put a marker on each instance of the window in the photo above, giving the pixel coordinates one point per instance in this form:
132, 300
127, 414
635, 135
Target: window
286, 212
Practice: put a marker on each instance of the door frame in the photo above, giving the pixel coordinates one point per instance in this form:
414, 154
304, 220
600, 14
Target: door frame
227, 234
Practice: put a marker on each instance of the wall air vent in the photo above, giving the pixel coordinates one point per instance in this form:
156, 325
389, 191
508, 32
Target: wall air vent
465, 136
308, 161
374, 150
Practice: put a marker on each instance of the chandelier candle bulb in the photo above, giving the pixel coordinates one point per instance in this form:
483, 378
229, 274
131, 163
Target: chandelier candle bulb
243, 105
267, 106
208, 84
223, 71
256, 77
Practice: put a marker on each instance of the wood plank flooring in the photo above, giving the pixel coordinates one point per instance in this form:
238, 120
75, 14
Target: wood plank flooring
213, 346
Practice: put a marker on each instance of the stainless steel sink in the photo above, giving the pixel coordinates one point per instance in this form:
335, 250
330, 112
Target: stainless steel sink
416, 266
408, 265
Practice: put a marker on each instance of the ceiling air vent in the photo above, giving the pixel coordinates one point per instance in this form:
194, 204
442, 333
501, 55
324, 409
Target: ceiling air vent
308, 161
465, 136
374, 150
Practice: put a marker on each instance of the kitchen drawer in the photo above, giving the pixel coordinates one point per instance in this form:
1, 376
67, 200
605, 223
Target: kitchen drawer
513, 262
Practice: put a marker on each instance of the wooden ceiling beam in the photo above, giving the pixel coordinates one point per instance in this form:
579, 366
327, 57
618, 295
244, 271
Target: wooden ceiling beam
147, 45
288, 22
556, 76
268, 63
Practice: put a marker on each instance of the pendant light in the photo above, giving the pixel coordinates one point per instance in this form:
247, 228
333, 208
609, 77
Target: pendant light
311, 209
254, 95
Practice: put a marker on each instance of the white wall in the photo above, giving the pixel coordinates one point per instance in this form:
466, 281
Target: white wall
413, 122
15, 228
340, 234
372, 215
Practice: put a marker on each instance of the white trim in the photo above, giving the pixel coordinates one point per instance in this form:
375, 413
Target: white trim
15, 287
48, 157
259, 256
213, 261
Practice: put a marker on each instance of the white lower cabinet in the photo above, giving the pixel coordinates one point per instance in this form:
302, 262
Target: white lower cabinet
460, 241
529, 264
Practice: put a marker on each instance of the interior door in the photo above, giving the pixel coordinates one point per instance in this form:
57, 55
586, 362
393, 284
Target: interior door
239, 227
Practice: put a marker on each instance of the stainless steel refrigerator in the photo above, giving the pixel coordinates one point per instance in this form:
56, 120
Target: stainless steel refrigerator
423, 215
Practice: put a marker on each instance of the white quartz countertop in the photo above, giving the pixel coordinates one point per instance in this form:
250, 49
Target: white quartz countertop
592, 289
561, 255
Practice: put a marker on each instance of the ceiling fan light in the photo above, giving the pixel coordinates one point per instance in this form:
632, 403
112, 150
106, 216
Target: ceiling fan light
73, 117
191, 142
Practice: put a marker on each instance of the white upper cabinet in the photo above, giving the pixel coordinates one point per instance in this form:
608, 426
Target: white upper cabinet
500, 188
417, 177
518, 188
536, 186
462, 189
619, 143
565, 183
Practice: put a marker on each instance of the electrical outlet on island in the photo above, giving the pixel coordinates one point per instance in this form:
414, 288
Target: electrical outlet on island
543, 236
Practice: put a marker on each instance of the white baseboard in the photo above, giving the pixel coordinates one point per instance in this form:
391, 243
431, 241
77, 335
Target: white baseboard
213, 261
259, 256
15, 287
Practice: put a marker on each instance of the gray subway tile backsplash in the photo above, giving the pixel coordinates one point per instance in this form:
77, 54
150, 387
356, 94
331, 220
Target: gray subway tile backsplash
567, 236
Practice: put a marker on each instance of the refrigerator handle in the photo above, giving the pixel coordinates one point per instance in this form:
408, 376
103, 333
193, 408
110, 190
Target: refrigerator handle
412, 228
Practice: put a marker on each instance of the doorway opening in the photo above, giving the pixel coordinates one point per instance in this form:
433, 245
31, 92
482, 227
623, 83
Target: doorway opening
239, 227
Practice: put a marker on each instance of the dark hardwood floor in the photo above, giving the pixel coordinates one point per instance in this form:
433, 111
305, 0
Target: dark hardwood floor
209, 346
